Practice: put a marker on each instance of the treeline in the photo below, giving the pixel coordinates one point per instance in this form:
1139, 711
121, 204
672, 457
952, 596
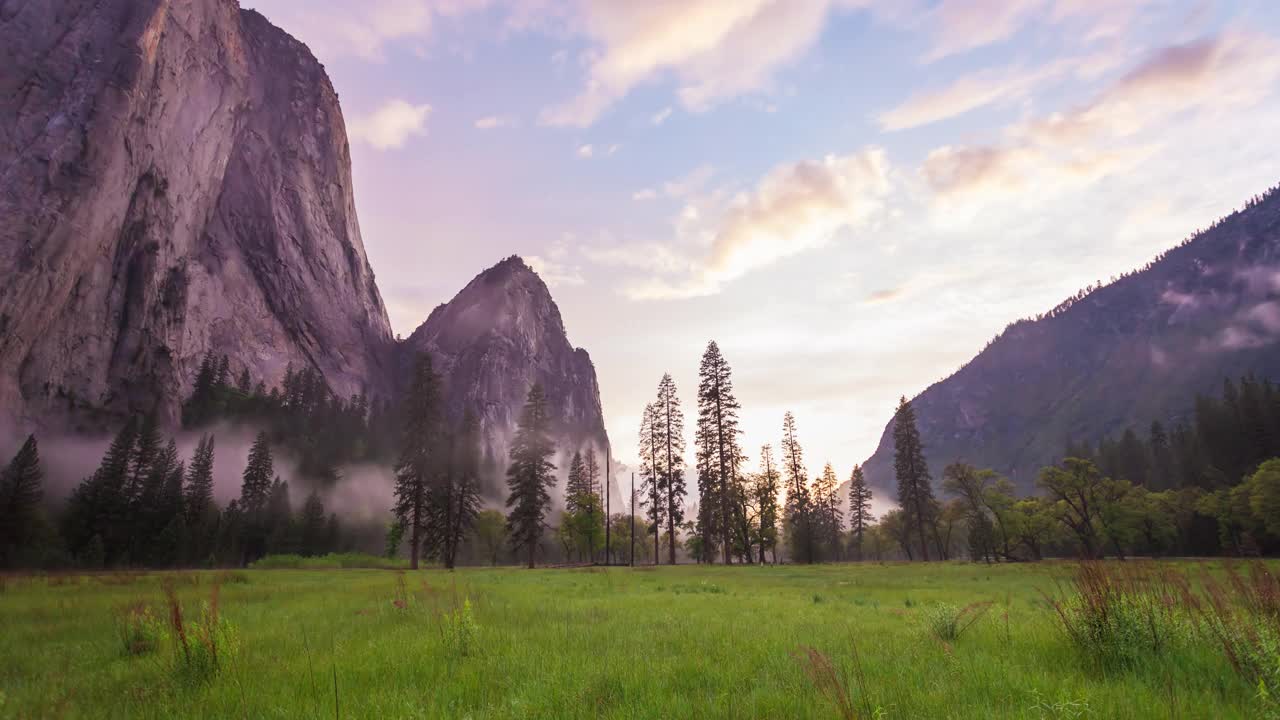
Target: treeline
740, 516
1204, 488
1210, 486
322, 431
144, 506
437, 487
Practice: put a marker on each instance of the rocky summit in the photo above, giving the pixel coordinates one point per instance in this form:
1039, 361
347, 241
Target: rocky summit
176, 178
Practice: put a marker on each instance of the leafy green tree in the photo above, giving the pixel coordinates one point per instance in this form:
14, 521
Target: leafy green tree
988, 500
915, 489
1033, 524
21, 490
530, 475
491, 534
860, 517
1264, 496
1077, 491
420, 453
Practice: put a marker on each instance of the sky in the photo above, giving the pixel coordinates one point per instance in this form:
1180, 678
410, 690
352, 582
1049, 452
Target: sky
852, 197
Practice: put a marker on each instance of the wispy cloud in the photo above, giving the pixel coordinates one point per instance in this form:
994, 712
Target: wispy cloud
716, 49
1228, 71
336, 29
795, 208
391, 125
493, 122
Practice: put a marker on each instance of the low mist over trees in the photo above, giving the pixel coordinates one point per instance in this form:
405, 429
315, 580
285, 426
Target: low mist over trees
530, 475
1210, 485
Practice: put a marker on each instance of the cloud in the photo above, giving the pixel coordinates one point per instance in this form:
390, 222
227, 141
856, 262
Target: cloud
661, 116
880, 297
585, 151
966, 93
716, 50
491, 122
645, 194
336, 29
391, 125
555, 273
795, 208
963, 25
1229, 71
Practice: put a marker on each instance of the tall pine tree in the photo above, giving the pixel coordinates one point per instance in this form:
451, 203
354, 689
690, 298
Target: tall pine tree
530, 475
799, 509
860, 517
21, 490
717, 433
420, 448
670, 421
915, 488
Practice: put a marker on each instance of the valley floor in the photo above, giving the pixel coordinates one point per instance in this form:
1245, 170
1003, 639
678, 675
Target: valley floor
683, 642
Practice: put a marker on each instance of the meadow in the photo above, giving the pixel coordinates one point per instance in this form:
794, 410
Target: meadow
851, 640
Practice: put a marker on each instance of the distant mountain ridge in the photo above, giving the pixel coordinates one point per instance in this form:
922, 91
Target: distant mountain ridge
1124, 354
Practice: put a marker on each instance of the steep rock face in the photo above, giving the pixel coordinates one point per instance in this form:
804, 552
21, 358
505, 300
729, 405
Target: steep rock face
496, 338
174, 177
1122, 355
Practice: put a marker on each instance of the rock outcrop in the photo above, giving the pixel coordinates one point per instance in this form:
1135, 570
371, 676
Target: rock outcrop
1123, 355
174, 177
493, 341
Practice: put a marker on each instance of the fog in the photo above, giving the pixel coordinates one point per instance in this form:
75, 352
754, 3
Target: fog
363, 494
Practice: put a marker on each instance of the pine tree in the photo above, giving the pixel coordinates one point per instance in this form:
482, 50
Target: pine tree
830, 516
530, 475
915, 489
799, 508
255, 491
462, 498
718, 433
279, 515
99, 507
860, 517
199, 486
420, 450
21, 490
651, 472
313, 524
256, 485
768, 485
595, 511
670, 425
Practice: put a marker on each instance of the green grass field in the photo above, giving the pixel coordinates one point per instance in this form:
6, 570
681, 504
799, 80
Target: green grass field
683, 642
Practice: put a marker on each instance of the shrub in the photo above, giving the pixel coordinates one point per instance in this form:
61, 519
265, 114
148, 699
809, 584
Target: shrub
947, 622
460, 630
140, 630
203, 647
1243, 616
332, 561
1118, 616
